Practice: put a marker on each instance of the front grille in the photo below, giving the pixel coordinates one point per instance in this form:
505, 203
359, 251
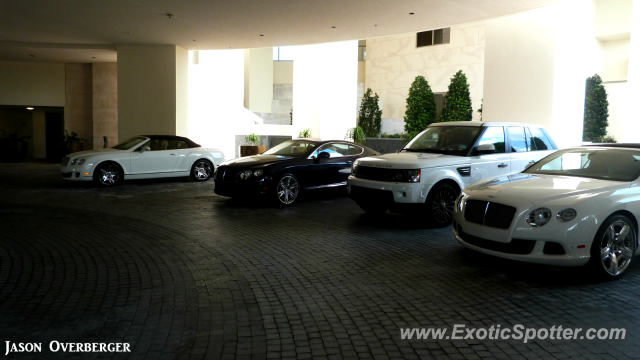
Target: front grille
226, 173
65, 161
67, 175
363, 194
489, 213
516, 246
372, 173
553, 248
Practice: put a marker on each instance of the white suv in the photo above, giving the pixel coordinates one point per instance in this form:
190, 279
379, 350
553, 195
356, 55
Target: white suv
440, 161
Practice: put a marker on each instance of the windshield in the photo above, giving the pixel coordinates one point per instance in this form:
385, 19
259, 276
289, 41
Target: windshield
605, 164
295, 148
128, 144
451, 140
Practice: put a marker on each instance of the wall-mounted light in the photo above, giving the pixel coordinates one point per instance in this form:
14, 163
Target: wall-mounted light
29, 108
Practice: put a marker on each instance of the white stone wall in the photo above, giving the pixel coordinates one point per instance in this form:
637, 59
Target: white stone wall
281, 106
393, 62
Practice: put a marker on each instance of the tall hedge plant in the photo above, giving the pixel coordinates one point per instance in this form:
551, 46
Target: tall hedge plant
457, 101
596, 111
421, 107
370, 115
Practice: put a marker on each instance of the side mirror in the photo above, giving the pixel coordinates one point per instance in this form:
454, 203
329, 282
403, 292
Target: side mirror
324, 155
486, 149
529, 165
145, 148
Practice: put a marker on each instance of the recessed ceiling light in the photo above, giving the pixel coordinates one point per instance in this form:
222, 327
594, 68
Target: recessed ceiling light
411, 13
333, 27
261, 35
170, 16
29, 108
32, 55
93, 57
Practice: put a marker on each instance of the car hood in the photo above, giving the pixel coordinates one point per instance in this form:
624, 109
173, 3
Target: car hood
538, 189
93, 152
408, 160
250, 161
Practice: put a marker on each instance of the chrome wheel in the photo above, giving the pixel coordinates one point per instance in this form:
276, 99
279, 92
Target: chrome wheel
287, 189
109, 174
617, 247
442, 206
202, 170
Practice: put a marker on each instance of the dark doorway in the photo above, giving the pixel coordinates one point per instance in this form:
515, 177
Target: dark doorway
54, 130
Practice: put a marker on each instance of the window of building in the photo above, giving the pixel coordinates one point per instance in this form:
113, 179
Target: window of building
283, 53
362, 53
434, 37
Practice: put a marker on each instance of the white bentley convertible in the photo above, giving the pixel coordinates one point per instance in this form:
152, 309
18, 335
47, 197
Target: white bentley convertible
142, 157
574, 207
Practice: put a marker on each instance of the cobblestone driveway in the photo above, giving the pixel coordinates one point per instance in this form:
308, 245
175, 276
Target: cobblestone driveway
181, 273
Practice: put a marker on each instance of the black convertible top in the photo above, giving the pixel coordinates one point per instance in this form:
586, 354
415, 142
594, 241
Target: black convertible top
173, 137
616, 145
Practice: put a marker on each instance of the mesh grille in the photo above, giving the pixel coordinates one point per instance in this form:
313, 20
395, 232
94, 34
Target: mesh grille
362, 194
553, 248
372, 173
499, 216
474, 211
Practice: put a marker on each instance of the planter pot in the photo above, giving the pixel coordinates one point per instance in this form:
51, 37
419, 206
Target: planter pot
68, 148
13, 151
246, 150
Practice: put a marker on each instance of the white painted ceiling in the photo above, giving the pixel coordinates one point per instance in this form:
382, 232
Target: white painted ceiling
78, 30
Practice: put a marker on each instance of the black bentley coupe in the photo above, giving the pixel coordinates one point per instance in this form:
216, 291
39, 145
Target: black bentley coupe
283, 171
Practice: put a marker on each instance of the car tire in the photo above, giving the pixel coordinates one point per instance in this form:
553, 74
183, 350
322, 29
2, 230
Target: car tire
373, 208
440, 203
201, 170
610, 246
287, 190
108, 174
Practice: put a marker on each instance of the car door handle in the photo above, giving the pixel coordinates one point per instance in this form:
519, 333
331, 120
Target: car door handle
173, 154
502, 165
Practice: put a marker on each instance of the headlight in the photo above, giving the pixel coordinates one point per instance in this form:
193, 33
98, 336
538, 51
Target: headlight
81, 161
73, 162
258, 173
407, 176
245, 174
538, 217
566, 215
460, 201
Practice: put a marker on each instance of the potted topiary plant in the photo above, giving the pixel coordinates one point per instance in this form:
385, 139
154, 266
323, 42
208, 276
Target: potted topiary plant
13, 148
252, 147
71, 143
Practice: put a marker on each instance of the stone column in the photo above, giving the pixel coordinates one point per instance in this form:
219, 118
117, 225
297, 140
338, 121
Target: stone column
78, 111
152, 90
105, 104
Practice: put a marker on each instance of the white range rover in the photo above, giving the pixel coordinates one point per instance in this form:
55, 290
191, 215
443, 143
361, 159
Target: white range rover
440, 161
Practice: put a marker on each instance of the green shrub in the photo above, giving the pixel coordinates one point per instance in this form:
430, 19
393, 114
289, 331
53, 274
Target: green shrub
370, 115
457, 101
596, 111
252, 139
421, 108
304, 134
356, 135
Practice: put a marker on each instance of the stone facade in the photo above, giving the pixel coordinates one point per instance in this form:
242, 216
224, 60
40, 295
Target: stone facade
78, 110
393, 62
281, 106
105, 104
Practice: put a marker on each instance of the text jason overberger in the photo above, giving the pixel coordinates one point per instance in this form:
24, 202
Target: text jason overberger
56, 346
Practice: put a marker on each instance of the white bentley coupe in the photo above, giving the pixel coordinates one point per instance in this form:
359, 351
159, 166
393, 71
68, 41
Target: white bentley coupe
575, 207
142, 157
